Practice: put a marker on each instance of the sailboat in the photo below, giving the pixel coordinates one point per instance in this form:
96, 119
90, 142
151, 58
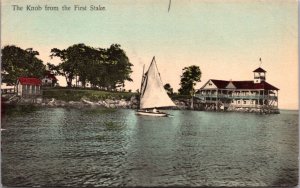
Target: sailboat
153, 94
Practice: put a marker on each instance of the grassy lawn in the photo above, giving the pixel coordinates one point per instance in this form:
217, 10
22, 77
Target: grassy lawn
72, 94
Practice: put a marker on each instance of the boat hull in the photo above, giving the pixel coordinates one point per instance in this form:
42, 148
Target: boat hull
158, 114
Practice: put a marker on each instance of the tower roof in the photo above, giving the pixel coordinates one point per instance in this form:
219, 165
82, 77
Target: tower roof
259, 70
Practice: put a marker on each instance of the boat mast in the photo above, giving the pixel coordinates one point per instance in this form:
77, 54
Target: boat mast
141, 87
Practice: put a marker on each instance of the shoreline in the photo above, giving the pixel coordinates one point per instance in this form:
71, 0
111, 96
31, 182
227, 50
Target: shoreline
132, 103
183, 104
86, 98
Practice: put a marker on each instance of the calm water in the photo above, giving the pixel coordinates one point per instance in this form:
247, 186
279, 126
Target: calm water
89, 147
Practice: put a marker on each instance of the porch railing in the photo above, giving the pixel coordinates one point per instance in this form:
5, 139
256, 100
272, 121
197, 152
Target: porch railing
226, 96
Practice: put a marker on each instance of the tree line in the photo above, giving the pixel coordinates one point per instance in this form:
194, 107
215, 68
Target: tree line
104, 68
16, 62
107, 69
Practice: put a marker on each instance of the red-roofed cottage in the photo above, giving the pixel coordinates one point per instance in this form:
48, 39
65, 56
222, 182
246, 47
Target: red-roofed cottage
225, 94
29, 87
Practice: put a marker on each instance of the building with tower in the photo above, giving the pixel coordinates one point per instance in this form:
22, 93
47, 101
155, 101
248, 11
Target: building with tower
252, 95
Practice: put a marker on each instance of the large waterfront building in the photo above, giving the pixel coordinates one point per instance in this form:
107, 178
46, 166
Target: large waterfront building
252, 94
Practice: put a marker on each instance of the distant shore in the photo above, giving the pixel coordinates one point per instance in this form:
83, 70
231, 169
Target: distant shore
87, 98
82, 103
79, 98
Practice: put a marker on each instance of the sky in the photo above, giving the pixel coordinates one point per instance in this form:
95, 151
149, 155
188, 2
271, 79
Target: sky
225, 38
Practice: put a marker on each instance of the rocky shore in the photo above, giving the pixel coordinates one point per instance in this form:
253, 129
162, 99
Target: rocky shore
132, 103
85, 102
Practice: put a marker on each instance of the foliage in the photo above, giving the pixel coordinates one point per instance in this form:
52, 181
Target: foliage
73, 61
20, 63
103, 68
119, 67
169, 89
190, 76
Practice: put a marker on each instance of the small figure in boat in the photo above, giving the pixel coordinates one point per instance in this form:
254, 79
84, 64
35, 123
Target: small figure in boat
155, 110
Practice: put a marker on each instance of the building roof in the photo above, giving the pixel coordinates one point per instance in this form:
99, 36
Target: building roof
259, 70
222, 84
251, 85
50, 75
29, 81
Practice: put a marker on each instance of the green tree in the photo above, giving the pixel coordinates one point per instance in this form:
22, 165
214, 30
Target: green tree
190, 76
169, 89
110, 68
87, 57
65, 68
20, 63
54, 69
74, 62
119, 67
105, 68
97, 69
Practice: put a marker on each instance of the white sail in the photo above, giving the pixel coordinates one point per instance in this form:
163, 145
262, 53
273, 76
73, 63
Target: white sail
153, 93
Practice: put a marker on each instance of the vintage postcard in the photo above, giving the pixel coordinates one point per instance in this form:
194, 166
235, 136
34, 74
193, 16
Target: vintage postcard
151, 93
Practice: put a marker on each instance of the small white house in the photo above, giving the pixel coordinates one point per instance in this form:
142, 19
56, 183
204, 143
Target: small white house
29, 87
49, 79
6, 88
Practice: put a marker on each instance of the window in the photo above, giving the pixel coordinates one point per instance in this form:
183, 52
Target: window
238, 102
245, 102
251, 102
29, 89
209, 84
33, 89
37, 89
